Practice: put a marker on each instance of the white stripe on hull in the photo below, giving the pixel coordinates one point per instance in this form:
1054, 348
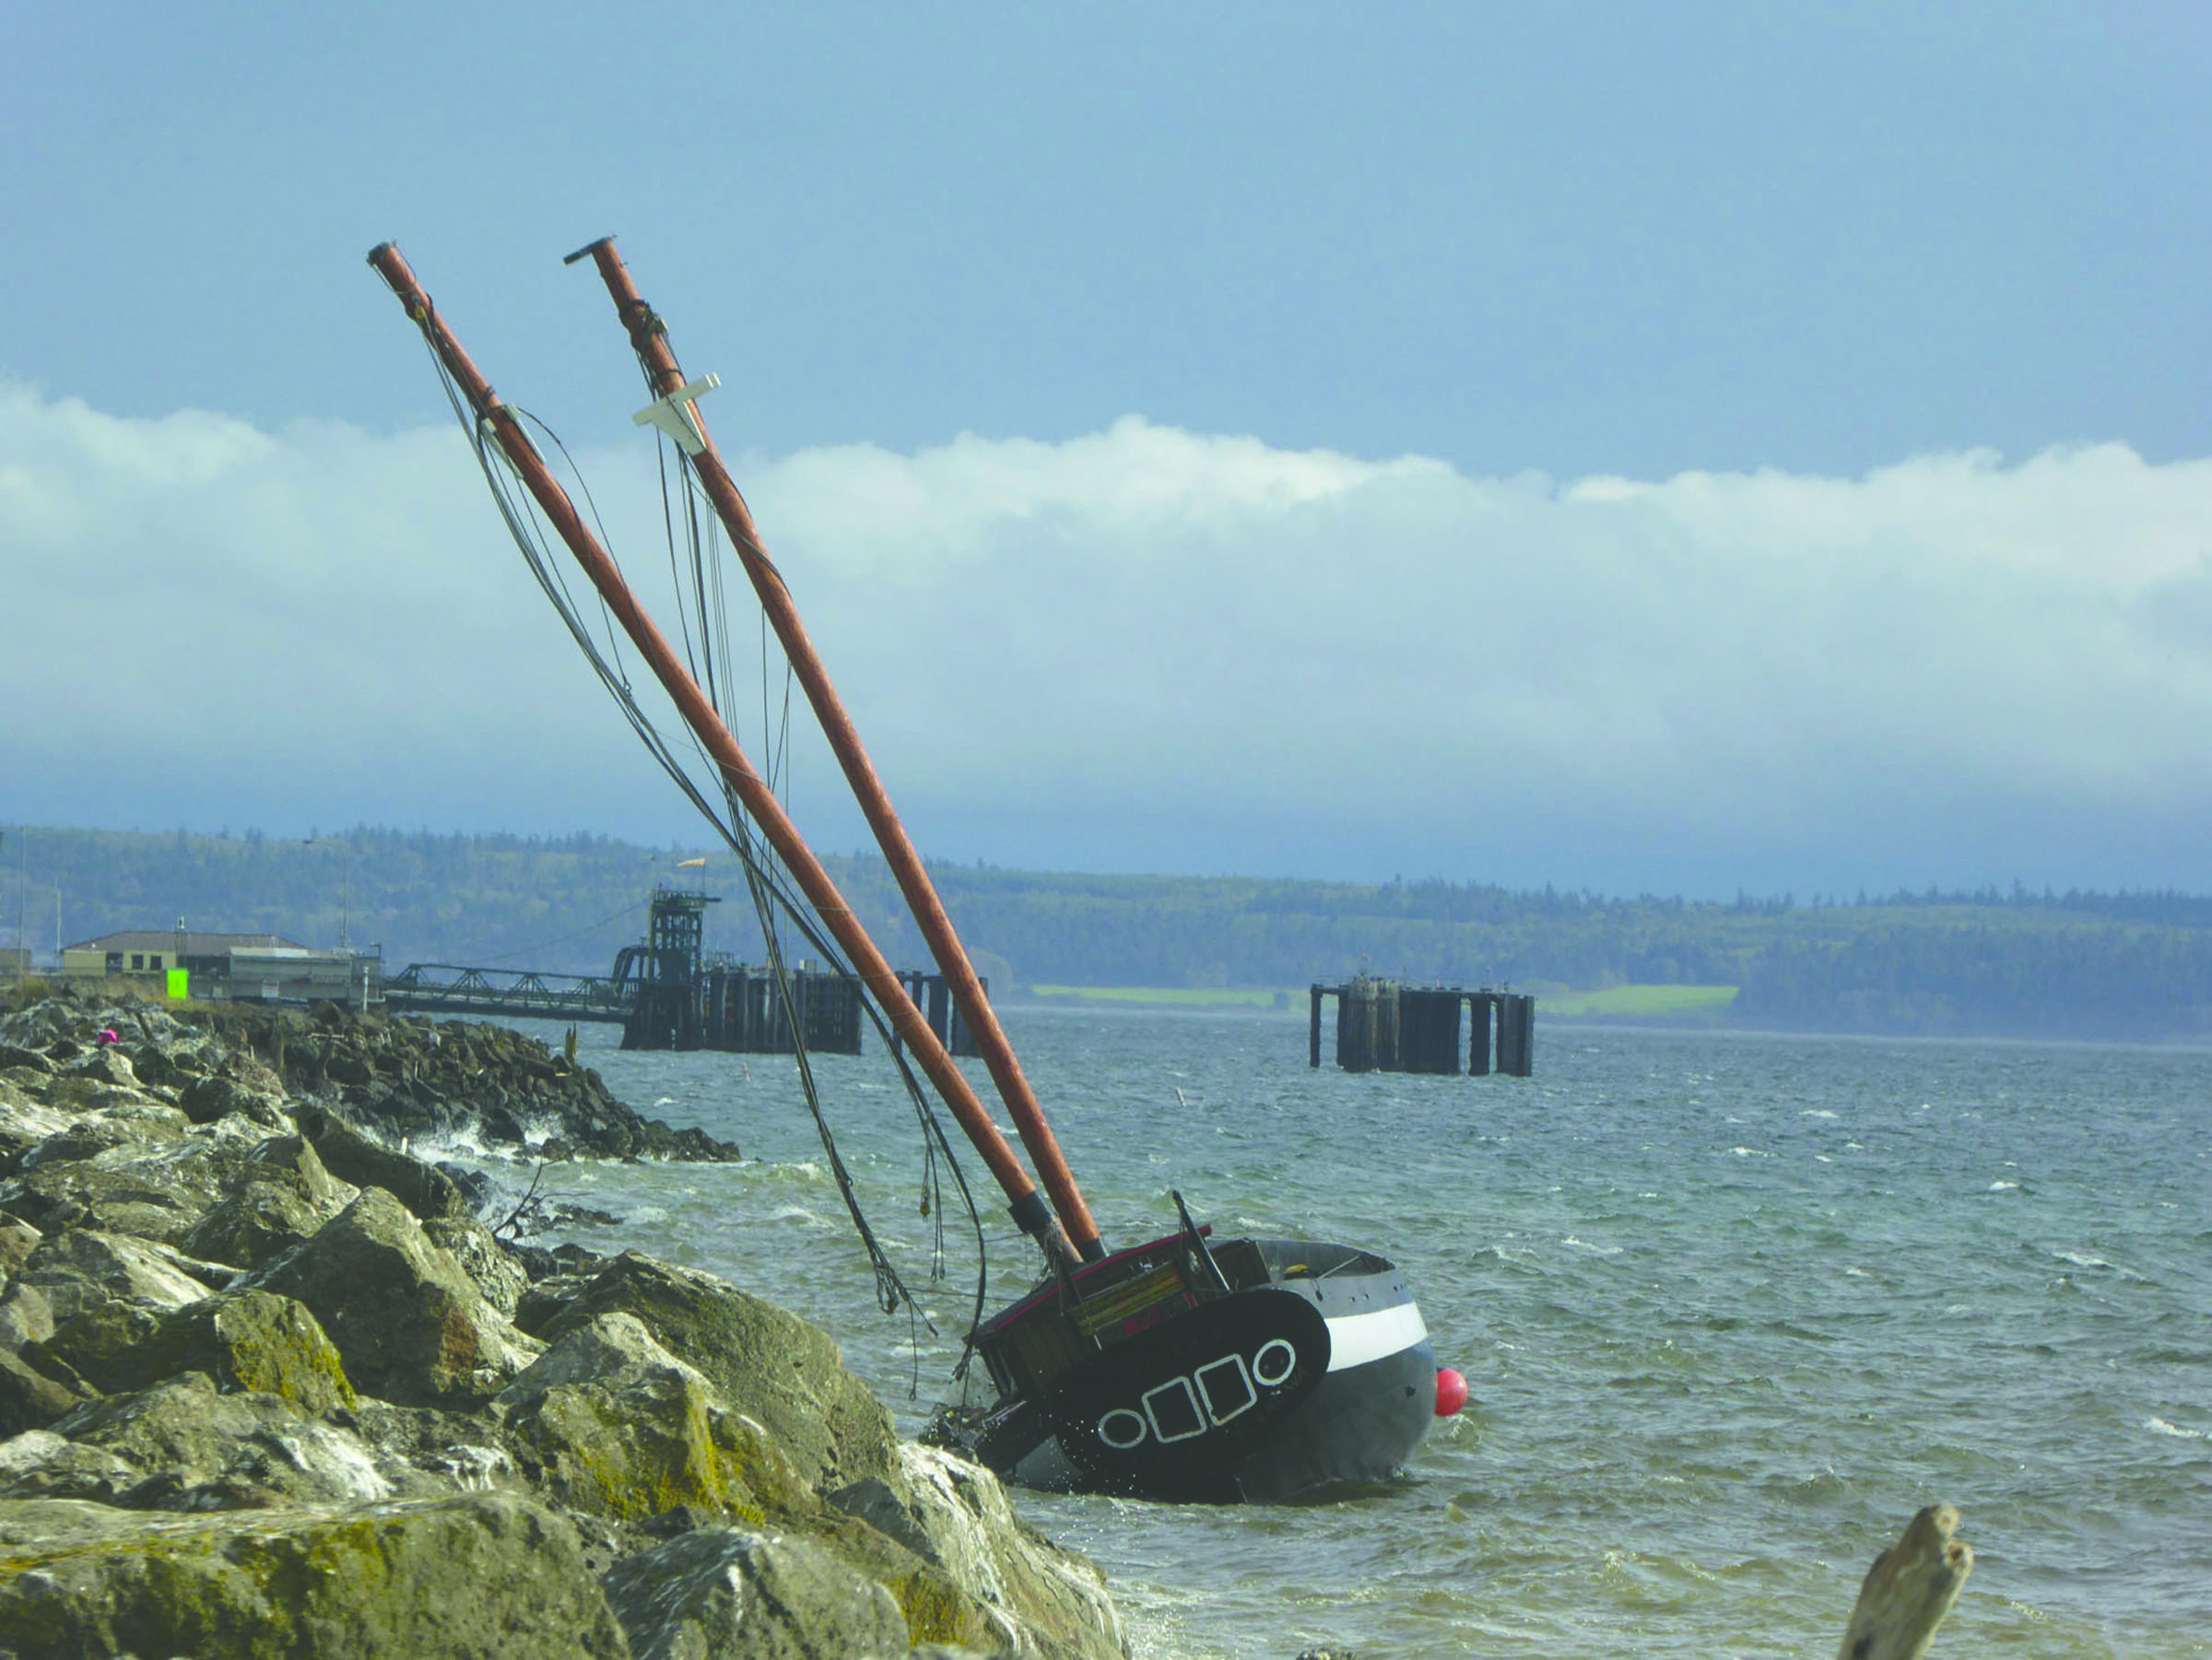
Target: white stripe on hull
1355, 1340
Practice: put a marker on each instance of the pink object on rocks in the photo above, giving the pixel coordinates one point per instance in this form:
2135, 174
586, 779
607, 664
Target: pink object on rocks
107, 1036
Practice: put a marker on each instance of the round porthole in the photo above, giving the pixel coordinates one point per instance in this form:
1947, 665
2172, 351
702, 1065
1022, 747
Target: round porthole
1274, 1363
1123, 1429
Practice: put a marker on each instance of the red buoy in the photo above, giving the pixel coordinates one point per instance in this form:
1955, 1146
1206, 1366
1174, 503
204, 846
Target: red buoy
1451, 1392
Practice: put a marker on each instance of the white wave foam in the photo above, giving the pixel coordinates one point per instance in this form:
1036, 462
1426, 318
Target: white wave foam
460, 1141
1816, 1113
2158, 1426
1586, 1245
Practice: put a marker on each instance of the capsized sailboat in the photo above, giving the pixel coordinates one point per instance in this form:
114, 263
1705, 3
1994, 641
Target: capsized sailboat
1187, 1368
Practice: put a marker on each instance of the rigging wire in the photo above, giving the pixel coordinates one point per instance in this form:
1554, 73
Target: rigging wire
769, 886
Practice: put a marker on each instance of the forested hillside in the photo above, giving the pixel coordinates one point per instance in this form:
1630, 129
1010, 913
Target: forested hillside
2017, 962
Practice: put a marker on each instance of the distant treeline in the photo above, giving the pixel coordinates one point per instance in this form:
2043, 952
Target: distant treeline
1993, 961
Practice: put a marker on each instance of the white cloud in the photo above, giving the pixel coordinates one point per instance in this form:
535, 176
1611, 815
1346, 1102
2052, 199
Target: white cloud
1150, 647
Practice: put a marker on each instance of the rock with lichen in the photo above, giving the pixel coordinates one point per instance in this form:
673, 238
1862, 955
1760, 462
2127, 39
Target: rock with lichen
410, 1324
269, 1383
471, 1575
766, 1362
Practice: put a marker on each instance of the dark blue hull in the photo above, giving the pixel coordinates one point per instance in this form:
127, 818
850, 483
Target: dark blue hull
1294, 1383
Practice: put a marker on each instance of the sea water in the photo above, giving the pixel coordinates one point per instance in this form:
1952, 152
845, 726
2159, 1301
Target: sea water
1731, 1308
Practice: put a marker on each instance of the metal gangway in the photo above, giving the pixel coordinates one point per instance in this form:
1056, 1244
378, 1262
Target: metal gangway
450, 989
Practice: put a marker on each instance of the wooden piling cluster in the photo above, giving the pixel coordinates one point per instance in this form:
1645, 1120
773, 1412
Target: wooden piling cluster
1387, 1026
746, 1015
933, 997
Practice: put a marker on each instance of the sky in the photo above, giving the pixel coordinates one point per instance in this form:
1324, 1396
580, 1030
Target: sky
1681, 449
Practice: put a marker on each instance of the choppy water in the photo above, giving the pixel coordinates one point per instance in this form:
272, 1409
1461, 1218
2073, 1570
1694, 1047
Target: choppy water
1731, 1309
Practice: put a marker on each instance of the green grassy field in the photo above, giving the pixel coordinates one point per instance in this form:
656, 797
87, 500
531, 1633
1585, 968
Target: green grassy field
1171, 996
1639, 1002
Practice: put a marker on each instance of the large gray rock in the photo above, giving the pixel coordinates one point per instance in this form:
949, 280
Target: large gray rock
251, 1340
353, 1155
17, 1241
610, 1423
478, 1576
281, 1196
460, 1452
215, 1096
725, 1593
89, 1349
30, 1399
769, 1364
411, 1326
106, 1063
24, 1315
198, 1449
487, 1263
134, 1123
14, 1057
154, 1191
613, 1350
26, 1121
955, 1513
84, 1267
37, 1463
255, 1224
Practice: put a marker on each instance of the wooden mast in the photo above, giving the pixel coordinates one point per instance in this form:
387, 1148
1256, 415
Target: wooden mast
1028, 1207
649, 335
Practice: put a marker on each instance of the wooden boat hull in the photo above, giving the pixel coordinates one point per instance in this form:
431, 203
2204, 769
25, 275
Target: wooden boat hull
1274, 1392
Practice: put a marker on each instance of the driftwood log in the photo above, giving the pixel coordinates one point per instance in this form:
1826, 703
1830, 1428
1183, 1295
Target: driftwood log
1908, 1590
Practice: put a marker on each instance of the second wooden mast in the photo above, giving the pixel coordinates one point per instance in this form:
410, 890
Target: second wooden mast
1027, 1205
649, 337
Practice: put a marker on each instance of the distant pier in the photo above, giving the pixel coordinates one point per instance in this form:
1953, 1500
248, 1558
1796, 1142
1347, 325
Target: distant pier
1388, 1026
667, 992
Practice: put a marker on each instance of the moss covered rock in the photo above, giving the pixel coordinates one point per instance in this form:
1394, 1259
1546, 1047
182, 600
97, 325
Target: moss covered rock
251, 1340
411, 1326
769, 1364
29, 1399
200, 1449
485, 1575
956, 1515
614, 1425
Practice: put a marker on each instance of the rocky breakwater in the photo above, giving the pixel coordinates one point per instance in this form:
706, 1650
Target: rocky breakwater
403, 1076
269, 1387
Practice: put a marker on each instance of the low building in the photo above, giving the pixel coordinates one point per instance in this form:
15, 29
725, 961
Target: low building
294, 974
252, 967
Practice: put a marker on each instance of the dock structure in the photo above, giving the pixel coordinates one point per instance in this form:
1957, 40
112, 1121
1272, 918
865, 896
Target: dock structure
1388, 1026
445, 988
668, 992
